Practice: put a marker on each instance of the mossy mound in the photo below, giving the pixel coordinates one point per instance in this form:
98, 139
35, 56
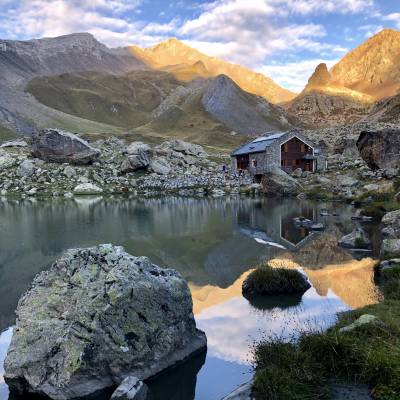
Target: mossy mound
266, 280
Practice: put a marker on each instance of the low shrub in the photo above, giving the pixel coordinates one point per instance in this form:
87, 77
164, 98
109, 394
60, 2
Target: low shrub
369, 354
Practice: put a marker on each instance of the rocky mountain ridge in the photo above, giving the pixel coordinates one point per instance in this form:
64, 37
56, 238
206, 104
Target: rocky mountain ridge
23, 60
176, 55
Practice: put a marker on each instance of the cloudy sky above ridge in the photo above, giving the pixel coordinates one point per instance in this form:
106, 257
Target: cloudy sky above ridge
283, 39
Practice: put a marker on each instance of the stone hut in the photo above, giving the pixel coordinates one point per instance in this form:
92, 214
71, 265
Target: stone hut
287, 150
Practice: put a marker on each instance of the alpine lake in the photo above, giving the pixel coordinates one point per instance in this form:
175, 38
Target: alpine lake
214, 243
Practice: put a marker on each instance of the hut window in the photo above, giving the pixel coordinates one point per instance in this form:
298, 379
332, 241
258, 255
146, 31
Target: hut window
254, 163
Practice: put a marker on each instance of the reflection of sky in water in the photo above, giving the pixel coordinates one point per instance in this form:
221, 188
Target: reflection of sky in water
5, 339
234, 325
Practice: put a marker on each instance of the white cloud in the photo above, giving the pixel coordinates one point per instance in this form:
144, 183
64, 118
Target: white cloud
319, 7
102, 18
294, 75
394, 17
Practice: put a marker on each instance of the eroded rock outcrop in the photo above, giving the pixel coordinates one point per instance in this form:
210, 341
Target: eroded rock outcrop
380, 149
97, 316
56, 145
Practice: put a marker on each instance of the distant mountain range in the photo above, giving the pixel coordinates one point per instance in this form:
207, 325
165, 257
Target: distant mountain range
173, 90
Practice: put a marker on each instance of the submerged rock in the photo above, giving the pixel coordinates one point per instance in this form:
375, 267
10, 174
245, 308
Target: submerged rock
97, 316
357, 239
55, 145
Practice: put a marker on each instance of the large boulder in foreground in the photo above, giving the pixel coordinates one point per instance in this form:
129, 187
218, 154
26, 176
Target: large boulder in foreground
277, 183
97, 316
380, 149
55, 145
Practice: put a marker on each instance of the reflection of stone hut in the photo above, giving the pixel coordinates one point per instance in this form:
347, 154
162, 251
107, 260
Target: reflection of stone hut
287, 150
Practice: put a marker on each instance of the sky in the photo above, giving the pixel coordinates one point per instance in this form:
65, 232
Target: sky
285, 40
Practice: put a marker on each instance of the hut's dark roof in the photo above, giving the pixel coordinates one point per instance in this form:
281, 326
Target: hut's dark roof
258, 145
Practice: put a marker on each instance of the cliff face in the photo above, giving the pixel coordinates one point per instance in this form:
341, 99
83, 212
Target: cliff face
175, 53
373, 67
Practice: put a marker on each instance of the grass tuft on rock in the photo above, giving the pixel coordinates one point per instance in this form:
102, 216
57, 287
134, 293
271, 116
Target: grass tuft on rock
266, 280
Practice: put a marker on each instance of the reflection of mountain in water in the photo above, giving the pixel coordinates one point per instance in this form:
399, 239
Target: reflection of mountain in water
353, 282
202, 238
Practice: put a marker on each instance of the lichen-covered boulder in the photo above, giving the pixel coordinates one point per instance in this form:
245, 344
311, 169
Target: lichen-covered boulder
56, 145
380, 149
97, 316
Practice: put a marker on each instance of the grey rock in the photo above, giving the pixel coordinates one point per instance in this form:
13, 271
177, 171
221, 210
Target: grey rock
277, 183
160, 165
348, 181
26, 168
97, 316
138, 157
356, 239
14, 143
87, 189
131, 388
391, 223
390, 248
56, 145
70, 172
6, 160
365, 319
380, 149
181, 146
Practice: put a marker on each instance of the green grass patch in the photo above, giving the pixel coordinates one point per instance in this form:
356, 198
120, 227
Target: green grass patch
369, 354
6, 134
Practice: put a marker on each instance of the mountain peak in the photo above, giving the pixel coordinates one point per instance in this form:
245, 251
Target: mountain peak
320, 77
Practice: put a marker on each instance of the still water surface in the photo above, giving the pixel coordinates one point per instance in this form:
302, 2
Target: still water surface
214, 244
